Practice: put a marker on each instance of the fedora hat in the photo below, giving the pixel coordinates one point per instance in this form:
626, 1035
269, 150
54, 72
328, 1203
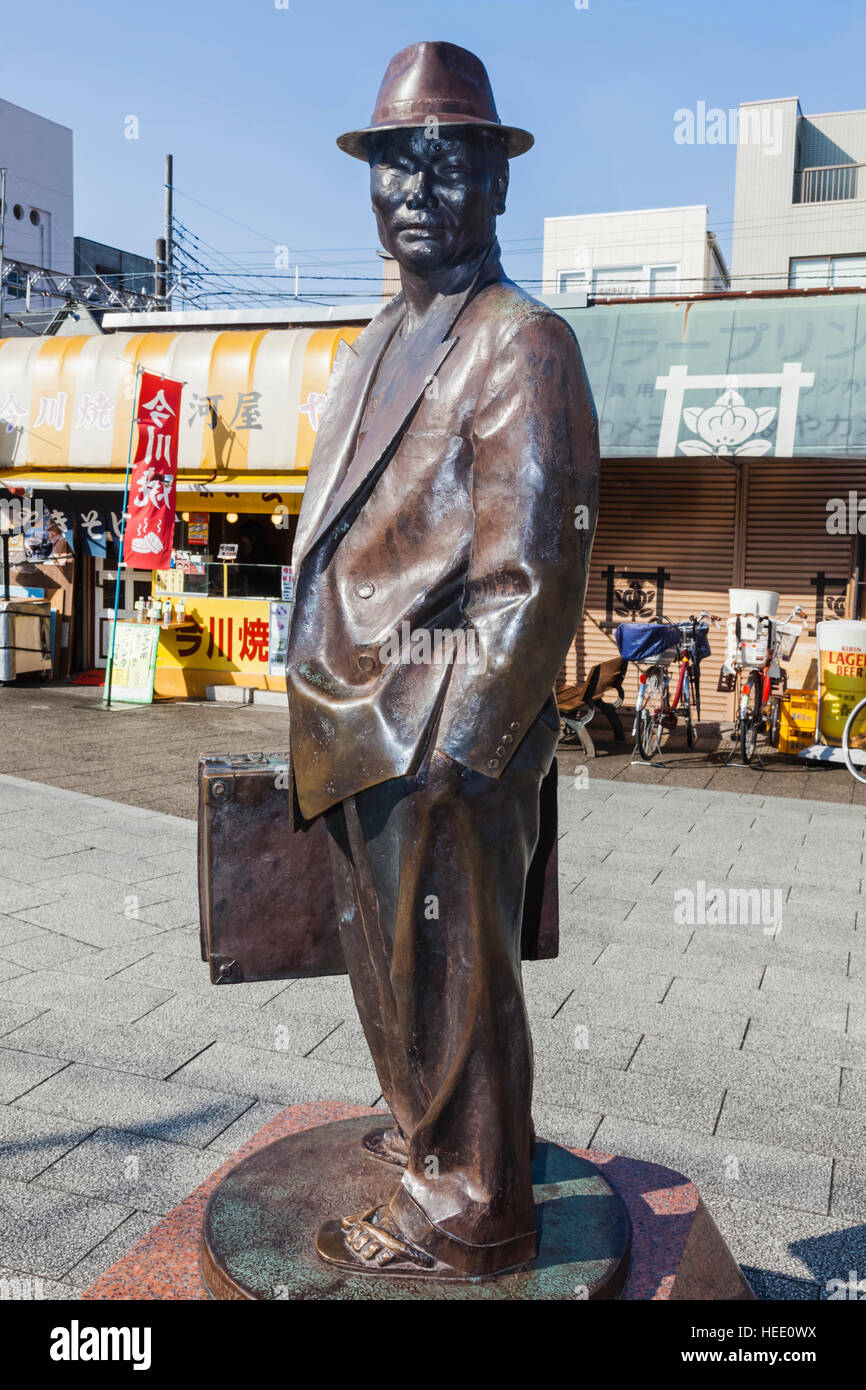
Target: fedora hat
435, 82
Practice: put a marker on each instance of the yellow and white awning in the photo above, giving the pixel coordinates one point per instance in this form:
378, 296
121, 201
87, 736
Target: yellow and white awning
250, 404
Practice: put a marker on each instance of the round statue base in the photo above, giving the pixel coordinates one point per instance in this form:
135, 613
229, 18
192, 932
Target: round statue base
258, 1236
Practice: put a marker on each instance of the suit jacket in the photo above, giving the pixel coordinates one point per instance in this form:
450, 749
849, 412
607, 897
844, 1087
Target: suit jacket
464, 502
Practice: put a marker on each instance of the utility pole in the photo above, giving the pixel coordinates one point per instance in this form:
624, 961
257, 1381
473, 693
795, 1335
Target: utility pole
169, 214
2, 239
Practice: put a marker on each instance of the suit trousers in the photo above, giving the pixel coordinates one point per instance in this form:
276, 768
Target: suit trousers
429, 873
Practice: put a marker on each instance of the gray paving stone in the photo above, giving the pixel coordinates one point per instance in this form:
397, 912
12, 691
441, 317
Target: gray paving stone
700, 966
241, 1130
812, 1129
75, 1037
21, 1071
13, 930
14, 840
47, 951
279, 1030
853, 1093
765, 1079
131, 1170
229, 1066
331, 994
822, 1044
17, 1287
113, 1248
814, 1012
168, 1110
173, 913
92, 890
782, 979
124, 868
104, 999
674, 1021
189, 975
16, 896
561, 1125
771, 1287
94, 925
796, 1244
14, 1015
46, 1232
107, 963
658, 1100
30, 1142
764, 1174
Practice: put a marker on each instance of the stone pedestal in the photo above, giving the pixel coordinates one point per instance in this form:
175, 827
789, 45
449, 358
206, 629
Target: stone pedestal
610, 1227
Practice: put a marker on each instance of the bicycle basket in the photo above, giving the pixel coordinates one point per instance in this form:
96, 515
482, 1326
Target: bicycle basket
698, 631
788, 634
646, 641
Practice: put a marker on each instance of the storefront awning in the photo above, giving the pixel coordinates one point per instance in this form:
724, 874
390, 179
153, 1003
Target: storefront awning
248, 492
250, 403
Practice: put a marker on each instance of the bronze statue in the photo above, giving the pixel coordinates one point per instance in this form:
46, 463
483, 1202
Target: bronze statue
441, 559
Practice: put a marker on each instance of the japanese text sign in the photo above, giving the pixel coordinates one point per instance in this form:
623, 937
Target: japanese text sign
149, 534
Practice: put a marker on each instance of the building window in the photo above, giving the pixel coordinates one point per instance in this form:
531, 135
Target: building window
826, 272
664, 279
571, 281
621, 281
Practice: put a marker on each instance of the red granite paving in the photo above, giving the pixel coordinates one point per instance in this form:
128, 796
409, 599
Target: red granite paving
164, 1265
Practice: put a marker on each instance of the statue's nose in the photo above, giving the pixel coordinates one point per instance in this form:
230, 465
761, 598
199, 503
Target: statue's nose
420, 194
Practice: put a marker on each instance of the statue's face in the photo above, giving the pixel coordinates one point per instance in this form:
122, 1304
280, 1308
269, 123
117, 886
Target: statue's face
436, 200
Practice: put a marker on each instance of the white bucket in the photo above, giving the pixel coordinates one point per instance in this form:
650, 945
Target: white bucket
764, 602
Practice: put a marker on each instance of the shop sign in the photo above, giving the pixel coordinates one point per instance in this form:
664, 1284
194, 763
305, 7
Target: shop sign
134, 664
278, 637
220, 635
147, 542
228, 551
287, 584
197, 530
730, 426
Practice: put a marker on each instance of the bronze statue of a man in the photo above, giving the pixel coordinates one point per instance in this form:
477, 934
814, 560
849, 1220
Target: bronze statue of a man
441, 560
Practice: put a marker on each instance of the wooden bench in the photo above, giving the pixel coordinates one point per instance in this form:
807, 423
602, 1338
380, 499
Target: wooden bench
578, 703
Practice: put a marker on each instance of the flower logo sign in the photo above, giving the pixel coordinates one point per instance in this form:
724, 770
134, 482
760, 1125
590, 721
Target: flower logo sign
728, 427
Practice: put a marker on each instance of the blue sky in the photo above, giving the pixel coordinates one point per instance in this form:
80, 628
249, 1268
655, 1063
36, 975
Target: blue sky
249, 99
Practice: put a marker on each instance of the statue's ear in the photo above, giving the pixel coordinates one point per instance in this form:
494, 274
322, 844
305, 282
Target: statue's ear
500, 192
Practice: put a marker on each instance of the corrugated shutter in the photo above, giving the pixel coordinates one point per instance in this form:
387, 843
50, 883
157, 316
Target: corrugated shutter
659, 515
788, 546
671, 524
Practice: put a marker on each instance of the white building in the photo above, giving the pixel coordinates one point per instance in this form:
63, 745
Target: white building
657, 251
37, 156
800, 201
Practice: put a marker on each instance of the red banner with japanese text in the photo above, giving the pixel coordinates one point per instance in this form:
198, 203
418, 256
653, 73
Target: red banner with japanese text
149, 534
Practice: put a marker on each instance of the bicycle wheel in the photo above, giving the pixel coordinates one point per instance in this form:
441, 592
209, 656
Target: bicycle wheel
649, 720
750, 715
854, 735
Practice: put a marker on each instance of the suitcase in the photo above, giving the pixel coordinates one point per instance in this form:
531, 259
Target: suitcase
266, 900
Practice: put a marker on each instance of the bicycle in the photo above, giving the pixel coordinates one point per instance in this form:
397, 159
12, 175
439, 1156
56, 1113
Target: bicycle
852, 741
656, 714
761, 644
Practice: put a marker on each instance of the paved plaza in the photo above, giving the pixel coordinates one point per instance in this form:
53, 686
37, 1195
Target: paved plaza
732, 1050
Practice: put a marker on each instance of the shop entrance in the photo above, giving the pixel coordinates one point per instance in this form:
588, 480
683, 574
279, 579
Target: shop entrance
134, 584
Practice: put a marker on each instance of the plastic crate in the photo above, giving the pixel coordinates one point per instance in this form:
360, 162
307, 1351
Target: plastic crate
798, 720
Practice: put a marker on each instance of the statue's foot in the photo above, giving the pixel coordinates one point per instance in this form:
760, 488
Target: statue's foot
373, 1243
397, 1240
389, 1144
